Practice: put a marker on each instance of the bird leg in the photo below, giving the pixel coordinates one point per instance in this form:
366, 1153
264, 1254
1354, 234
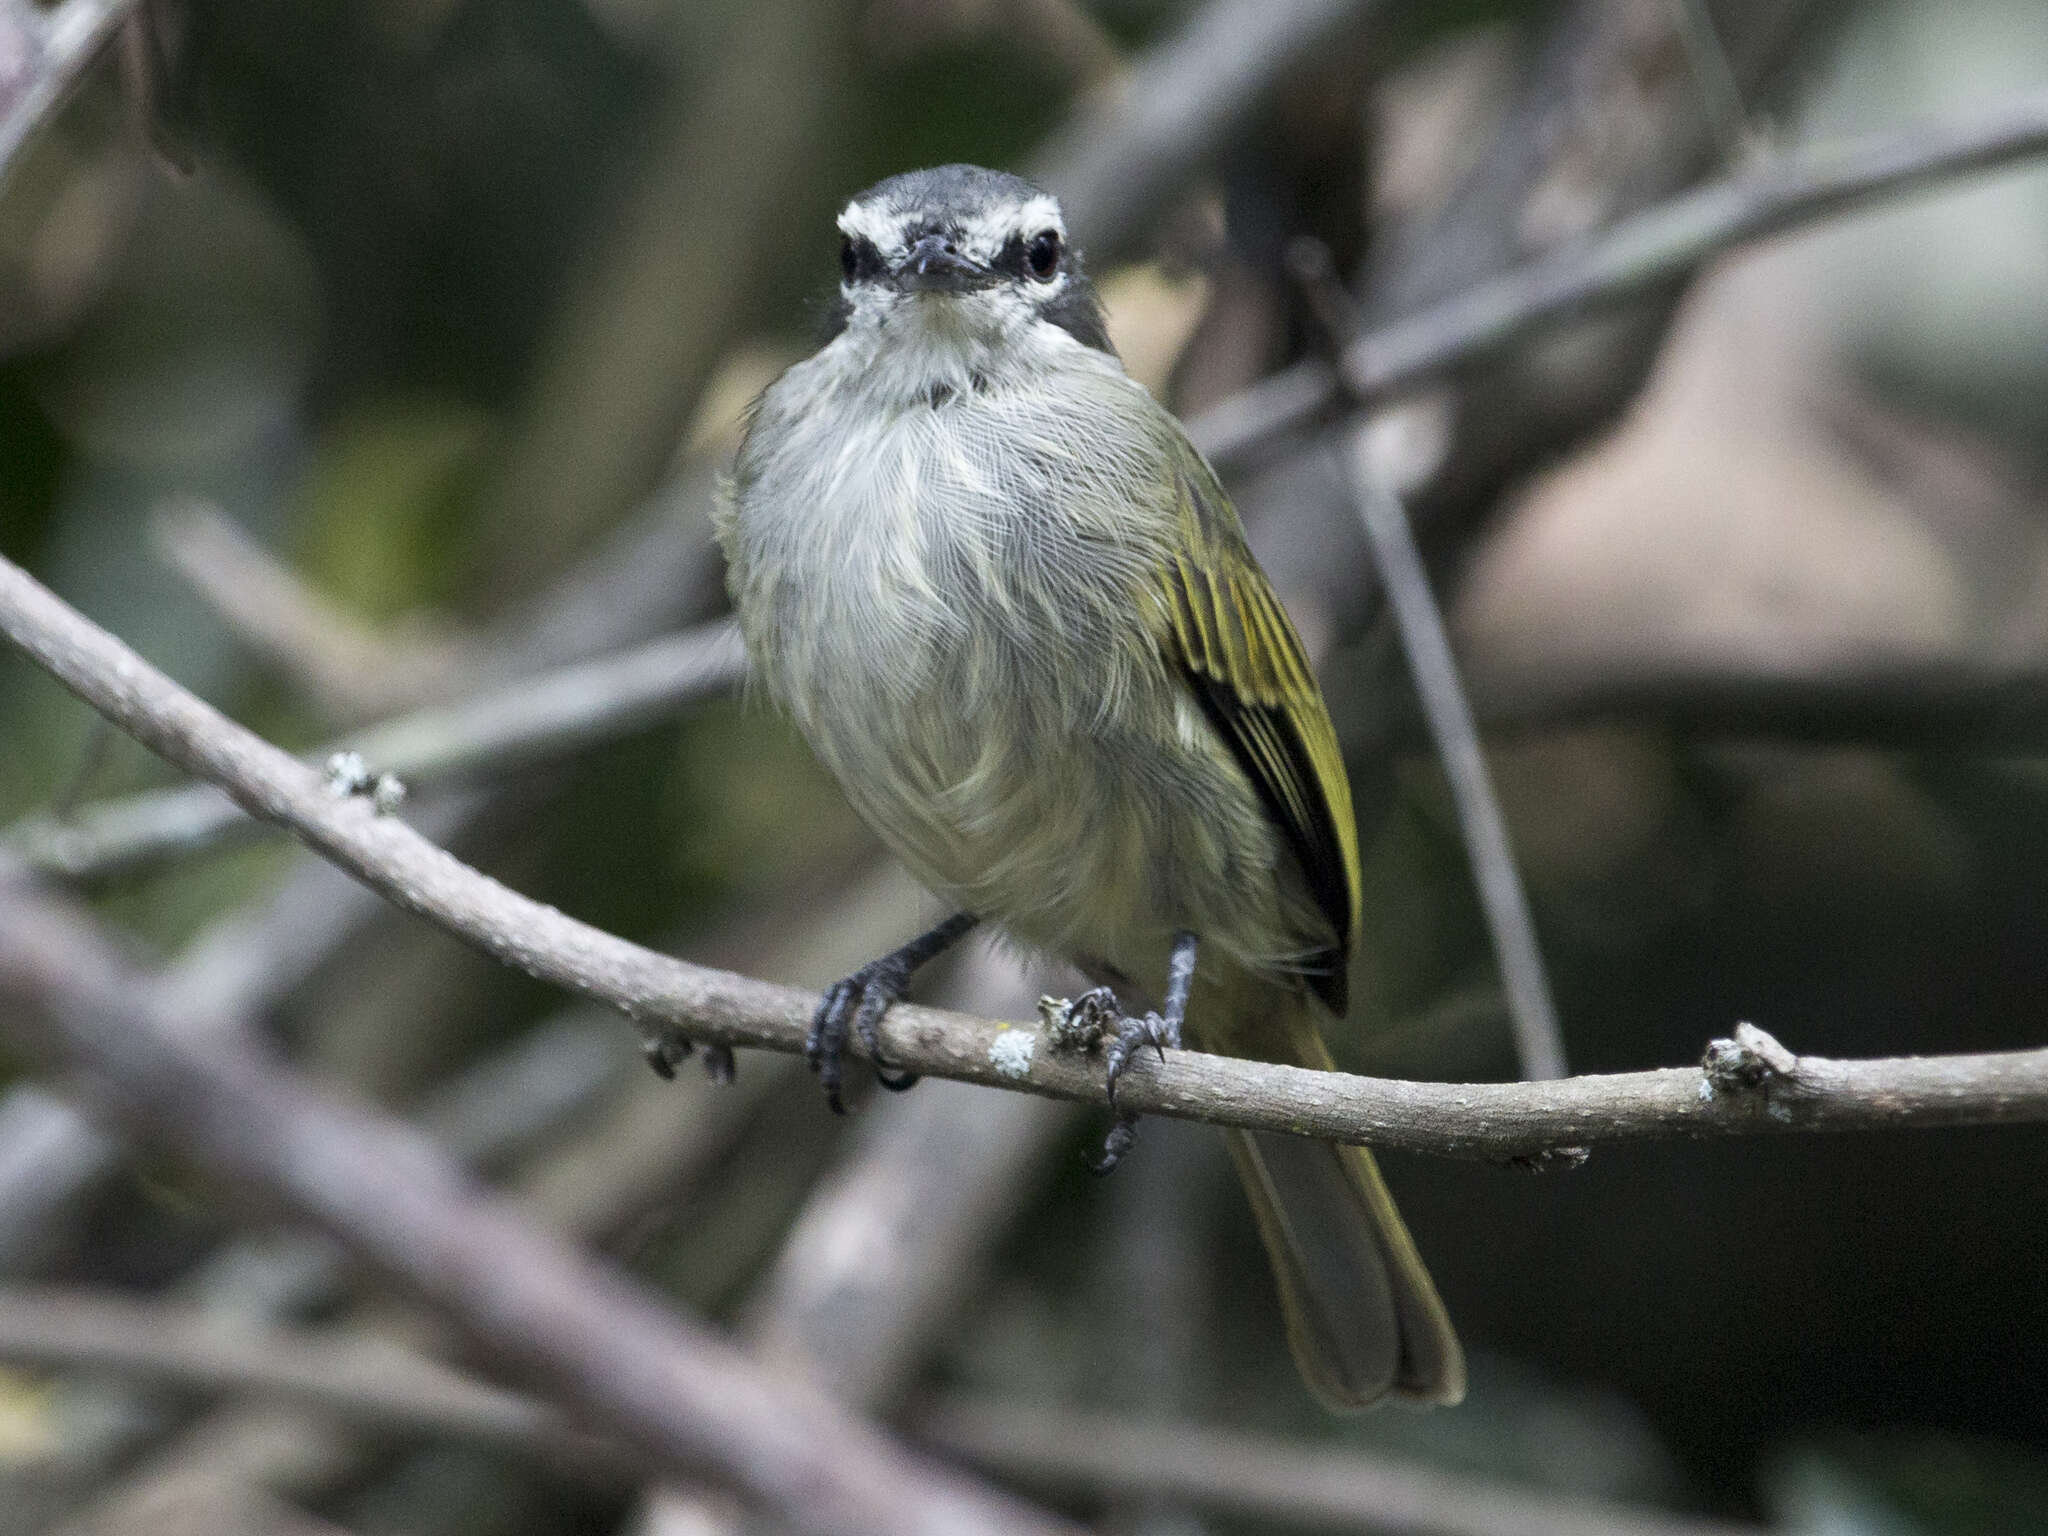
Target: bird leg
1126, 1036
860, 1001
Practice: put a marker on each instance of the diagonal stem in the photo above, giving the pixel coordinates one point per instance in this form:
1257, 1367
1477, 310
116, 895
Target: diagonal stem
1539, 1044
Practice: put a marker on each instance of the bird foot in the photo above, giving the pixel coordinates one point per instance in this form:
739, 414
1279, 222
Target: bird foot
1095, 1018
857, 1004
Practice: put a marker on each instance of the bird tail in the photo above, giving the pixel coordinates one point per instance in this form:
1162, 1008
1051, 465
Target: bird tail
1363, 1317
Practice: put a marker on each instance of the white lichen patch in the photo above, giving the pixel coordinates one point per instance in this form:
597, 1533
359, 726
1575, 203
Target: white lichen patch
347, 774
1011, 1051
387, 794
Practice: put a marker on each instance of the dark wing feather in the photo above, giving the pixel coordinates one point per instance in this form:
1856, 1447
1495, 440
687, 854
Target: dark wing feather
1234, 643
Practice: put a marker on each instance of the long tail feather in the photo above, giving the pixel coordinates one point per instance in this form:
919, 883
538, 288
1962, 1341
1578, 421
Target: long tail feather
1363, 1317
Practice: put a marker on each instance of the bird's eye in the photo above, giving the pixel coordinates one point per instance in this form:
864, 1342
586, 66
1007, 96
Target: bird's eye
1042, 255
849, 258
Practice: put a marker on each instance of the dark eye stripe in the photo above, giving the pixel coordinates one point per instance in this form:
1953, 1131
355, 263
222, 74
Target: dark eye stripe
859, 261
1010, 260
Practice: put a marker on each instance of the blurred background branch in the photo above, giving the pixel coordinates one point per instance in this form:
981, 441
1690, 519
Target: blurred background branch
1270, 1480
520, 723
43, 52
670, 1388
1663, 243
1615, 264
1539, 1044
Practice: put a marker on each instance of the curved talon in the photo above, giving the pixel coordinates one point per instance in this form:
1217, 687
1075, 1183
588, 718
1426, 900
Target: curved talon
876, 986
878, 991
1123, 1135
860, 1001
1093, 1018
664, 1052
1132, 1035
1096, 1016
827, 1039
719, 1064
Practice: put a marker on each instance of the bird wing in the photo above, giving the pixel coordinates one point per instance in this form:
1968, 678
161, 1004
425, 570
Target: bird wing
1231, 639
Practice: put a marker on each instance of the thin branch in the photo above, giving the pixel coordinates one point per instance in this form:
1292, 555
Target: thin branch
598, 1342
368, 1382
1539, 1044
646, 1151
661, 994
522, 722
1656, 246
353, 671
376, 1386
1131, 149
1267, 1479
1066, 35
663, 288
52, 1158
1670, 241
48, 53
1238, 428
1720, 95
931, 1186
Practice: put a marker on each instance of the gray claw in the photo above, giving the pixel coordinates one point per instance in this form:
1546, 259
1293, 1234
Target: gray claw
1123, 1135
857, 1005
665, 1052
1095, 1018
1131, 1036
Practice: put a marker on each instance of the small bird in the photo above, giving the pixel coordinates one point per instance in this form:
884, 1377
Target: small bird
1009, 606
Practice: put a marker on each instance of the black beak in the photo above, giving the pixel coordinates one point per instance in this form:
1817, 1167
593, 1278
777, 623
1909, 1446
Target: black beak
935, 265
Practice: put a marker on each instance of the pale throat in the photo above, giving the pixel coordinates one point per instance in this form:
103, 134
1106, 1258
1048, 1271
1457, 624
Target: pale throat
927, 351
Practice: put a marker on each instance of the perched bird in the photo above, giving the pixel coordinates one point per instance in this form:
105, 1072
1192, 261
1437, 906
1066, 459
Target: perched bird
1011, 609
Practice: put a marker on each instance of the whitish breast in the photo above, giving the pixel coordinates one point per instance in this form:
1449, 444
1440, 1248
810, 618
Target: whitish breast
953, 618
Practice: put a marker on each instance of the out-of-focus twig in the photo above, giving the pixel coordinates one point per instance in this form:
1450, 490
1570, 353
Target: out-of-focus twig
1720, 96
43, 55
1125, 154
1266, 1479
380, 1387
366, 1382
595, 1340
649, 1148
51, 1157
513, 724
1066, 34
891, 1241
1653, 247
351, 671
928, 1186
661, 994
658, 568
1669, 241
1672, 240
1539, 1044
646, 319
1238, 428
655, 568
